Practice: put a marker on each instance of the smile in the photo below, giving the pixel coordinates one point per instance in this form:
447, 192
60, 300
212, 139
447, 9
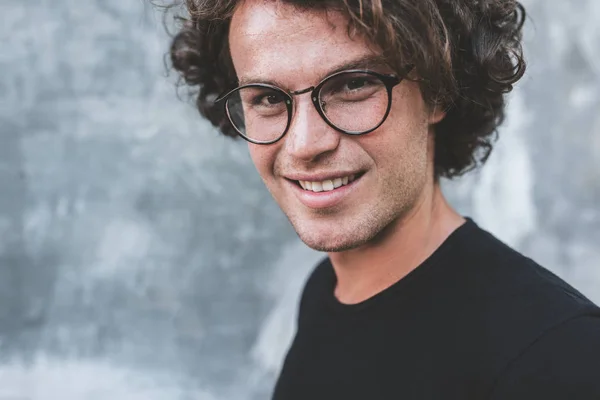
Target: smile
326, 185
320, 194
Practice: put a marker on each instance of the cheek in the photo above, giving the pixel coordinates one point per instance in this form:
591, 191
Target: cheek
400, 145
403, 133
263, 157
408, 129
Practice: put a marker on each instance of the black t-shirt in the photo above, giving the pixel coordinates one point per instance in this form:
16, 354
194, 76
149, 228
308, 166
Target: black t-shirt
476, 320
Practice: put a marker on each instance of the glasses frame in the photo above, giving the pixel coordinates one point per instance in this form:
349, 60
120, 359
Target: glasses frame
389, 80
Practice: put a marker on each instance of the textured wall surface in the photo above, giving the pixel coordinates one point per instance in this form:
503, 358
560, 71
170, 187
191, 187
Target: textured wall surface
140, 255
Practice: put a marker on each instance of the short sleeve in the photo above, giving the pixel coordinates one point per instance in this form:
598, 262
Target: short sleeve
562, 364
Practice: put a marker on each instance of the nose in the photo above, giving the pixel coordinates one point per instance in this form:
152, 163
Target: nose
309, 137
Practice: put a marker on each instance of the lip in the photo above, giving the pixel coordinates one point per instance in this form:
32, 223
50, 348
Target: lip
320, 200
321, 177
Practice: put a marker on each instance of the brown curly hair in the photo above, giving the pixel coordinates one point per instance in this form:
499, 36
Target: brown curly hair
468, 53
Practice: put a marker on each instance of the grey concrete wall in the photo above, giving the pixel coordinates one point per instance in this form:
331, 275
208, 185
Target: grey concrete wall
140, 255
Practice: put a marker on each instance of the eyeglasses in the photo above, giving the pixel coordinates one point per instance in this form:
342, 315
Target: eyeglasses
354, 102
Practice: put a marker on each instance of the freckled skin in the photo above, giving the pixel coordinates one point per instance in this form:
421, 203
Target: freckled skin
297, 48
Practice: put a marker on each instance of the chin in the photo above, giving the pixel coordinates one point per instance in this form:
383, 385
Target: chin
331, 238
341, 233
329, 246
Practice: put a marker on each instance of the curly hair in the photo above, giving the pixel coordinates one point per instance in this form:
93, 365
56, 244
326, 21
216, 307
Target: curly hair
467, 52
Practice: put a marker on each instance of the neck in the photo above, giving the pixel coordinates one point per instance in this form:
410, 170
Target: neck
365, 271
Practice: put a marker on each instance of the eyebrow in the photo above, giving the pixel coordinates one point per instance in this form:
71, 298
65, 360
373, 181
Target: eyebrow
365, 62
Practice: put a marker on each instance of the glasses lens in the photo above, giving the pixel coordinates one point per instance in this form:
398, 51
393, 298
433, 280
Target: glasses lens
355, 102
259, 113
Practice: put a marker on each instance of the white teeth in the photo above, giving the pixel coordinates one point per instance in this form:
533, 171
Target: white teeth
326, 185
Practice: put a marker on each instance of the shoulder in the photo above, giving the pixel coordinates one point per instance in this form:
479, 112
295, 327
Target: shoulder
497, 272
315, 288
318, 278
514, 306
562, 363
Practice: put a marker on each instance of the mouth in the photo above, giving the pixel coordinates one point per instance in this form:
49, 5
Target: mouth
326, 193
327, 185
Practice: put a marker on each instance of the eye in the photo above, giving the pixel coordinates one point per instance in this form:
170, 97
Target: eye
268, 99
356, 86
357, 83
350, 84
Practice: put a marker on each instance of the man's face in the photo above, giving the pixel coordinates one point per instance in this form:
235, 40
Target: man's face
295, 49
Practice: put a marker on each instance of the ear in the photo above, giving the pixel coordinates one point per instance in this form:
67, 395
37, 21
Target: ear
436, 114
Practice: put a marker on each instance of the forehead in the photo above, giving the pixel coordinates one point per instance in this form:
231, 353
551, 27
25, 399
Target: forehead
271, 40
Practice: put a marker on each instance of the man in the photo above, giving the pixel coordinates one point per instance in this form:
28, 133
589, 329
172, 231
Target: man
353, 110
